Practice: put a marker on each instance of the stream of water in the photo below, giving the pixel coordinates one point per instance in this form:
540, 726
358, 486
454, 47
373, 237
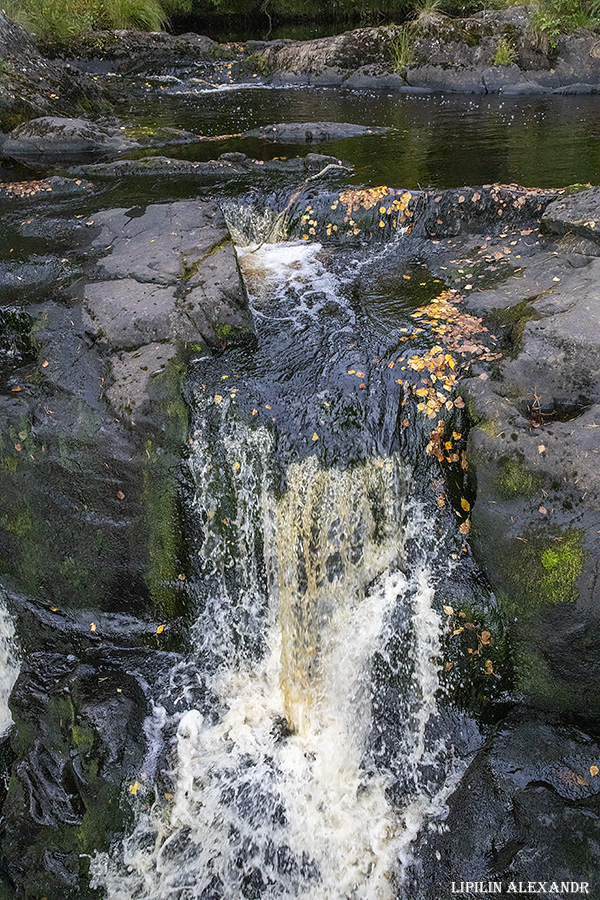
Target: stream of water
315, 562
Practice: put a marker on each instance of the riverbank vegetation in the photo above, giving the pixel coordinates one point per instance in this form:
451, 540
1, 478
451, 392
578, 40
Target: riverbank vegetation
62, 20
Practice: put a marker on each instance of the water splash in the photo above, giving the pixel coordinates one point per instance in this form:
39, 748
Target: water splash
279, 796
9, 665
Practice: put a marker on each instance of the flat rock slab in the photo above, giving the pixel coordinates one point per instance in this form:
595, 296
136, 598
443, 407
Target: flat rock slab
158, 243
129, 313
579, 214
169, 276
132, 371
311, 132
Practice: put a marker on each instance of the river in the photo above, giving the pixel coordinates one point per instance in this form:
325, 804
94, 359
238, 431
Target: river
324, 741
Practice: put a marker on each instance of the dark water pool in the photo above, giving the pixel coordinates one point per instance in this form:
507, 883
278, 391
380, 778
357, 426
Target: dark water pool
440, 141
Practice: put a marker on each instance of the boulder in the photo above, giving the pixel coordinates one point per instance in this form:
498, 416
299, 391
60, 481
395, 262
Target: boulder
533, 462
54, 137
31, 85
534, 811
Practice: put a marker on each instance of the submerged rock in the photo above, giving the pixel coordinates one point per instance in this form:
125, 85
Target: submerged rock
311, 132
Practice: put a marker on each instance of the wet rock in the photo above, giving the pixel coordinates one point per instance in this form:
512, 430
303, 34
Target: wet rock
578, 213
80, 741
455, 80
374, 214
311, 132
53, 186
536, 809
31, 85
227, 166
532, 450
129, 52
51, 136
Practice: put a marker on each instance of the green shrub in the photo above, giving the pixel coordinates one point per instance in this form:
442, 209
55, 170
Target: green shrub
555, 17
505, 54
402, 49
61, 20
146, 15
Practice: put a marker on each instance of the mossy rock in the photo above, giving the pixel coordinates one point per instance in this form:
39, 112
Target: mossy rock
514, 480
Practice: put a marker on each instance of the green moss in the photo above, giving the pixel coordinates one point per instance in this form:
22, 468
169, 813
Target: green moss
535, 680
160, 470
512, 321
220, 52
256, 63
83, 739
543, 571
514, 480
191, 269
561, 566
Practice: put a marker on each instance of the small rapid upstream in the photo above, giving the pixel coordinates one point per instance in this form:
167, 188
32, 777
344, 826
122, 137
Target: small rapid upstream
313, 760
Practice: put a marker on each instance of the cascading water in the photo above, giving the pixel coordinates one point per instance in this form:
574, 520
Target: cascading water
286, 781
9, 665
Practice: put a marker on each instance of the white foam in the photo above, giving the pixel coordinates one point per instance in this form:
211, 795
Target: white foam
9, 665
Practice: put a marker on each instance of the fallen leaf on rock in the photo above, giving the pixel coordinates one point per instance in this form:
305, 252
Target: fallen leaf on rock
465, 504
160, 629
541, 448
594, 771
120, 495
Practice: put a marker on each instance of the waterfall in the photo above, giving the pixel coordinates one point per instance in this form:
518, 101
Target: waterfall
304, 586
9, 665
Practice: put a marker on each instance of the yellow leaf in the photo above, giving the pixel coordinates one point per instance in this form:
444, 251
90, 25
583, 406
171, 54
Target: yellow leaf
218, 398
489, 667
44, 364
465, 504
594, 771
93, 626
448, 610
134, 788
254, 412
541, 448
160, 629
465, 527
315, 436
486, 637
